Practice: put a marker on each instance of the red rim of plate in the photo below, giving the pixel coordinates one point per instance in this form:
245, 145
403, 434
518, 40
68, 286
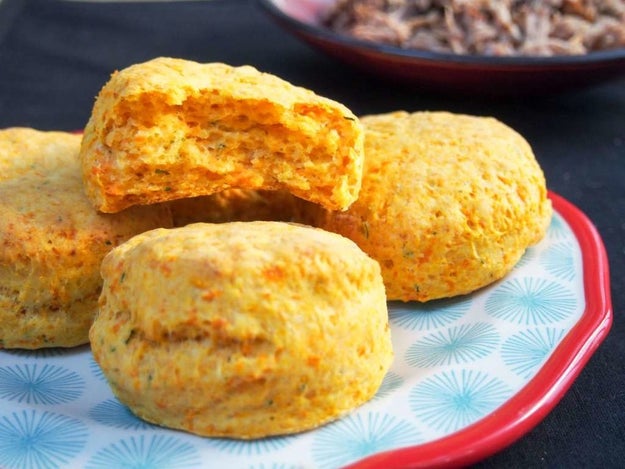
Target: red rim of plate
532, 403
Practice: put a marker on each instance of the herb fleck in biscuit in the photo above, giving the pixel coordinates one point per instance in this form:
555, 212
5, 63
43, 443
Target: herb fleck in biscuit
53, 241
448, 204
243, 329
171, 128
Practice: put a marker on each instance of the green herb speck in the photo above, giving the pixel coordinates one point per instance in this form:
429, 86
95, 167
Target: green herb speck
130, 336
364, 227
407, 253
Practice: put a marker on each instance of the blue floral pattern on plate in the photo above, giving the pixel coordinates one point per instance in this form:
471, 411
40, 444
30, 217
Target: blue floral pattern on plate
113, 413
456, 361
560, 261
391, 382
360, 435
526, 350
261, 446
143, 452
451, 400
433, 314
34, 384
458, 344
531, 300
33, 439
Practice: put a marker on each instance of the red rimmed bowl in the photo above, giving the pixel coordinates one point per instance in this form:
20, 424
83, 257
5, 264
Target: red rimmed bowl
447, 72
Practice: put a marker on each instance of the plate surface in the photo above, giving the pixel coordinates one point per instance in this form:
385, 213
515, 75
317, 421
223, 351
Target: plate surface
470, 376
475, 74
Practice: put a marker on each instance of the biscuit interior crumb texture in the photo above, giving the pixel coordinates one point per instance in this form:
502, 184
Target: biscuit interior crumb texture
448, 204
53, 241
242, 330
172, 128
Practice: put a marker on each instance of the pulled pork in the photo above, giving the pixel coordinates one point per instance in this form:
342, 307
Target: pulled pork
486, 27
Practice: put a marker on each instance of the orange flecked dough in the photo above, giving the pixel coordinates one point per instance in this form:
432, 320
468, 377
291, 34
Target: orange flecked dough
242, 330
25, 150
170, 128
53, 240
448, 204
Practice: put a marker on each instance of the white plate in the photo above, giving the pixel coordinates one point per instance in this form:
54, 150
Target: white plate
470, 375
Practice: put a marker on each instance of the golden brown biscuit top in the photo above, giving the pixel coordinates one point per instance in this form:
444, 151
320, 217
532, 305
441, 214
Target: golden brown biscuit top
25, 150
54, 205
177, 78
448, 202
50, 235
444, 169
212, 268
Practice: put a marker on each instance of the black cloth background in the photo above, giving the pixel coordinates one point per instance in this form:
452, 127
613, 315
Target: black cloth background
55, 56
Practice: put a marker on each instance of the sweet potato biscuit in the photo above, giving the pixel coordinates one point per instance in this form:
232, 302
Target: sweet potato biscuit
23, 150
448, 203
172, 128
52, 243
243, 329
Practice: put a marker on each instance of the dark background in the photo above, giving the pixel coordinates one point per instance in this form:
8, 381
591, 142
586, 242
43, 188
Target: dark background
55, 56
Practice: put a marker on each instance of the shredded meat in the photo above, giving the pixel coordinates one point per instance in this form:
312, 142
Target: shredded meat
487, 27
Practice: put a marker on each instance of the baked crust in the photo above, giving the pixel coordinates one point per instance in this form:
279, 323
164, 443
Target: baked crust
172, 128
242, 330
52, 241
24, 150
449, 202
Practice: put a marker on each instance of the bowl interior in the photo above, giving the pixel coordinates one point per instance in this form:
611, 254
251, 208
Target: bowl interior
446, 71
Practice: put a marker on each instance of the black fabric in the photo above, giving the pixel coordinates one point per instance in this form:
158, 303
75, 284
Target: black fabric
55, 56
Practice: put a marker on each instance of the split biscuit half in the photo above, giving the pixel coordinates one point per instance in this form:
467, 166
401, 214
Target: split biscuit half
171, 128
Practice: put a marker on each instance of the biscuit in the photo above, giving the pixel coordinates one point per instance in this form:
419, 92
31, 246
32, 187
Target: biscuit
53, 242
23, 150
172, 128
448, 204
243, 329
